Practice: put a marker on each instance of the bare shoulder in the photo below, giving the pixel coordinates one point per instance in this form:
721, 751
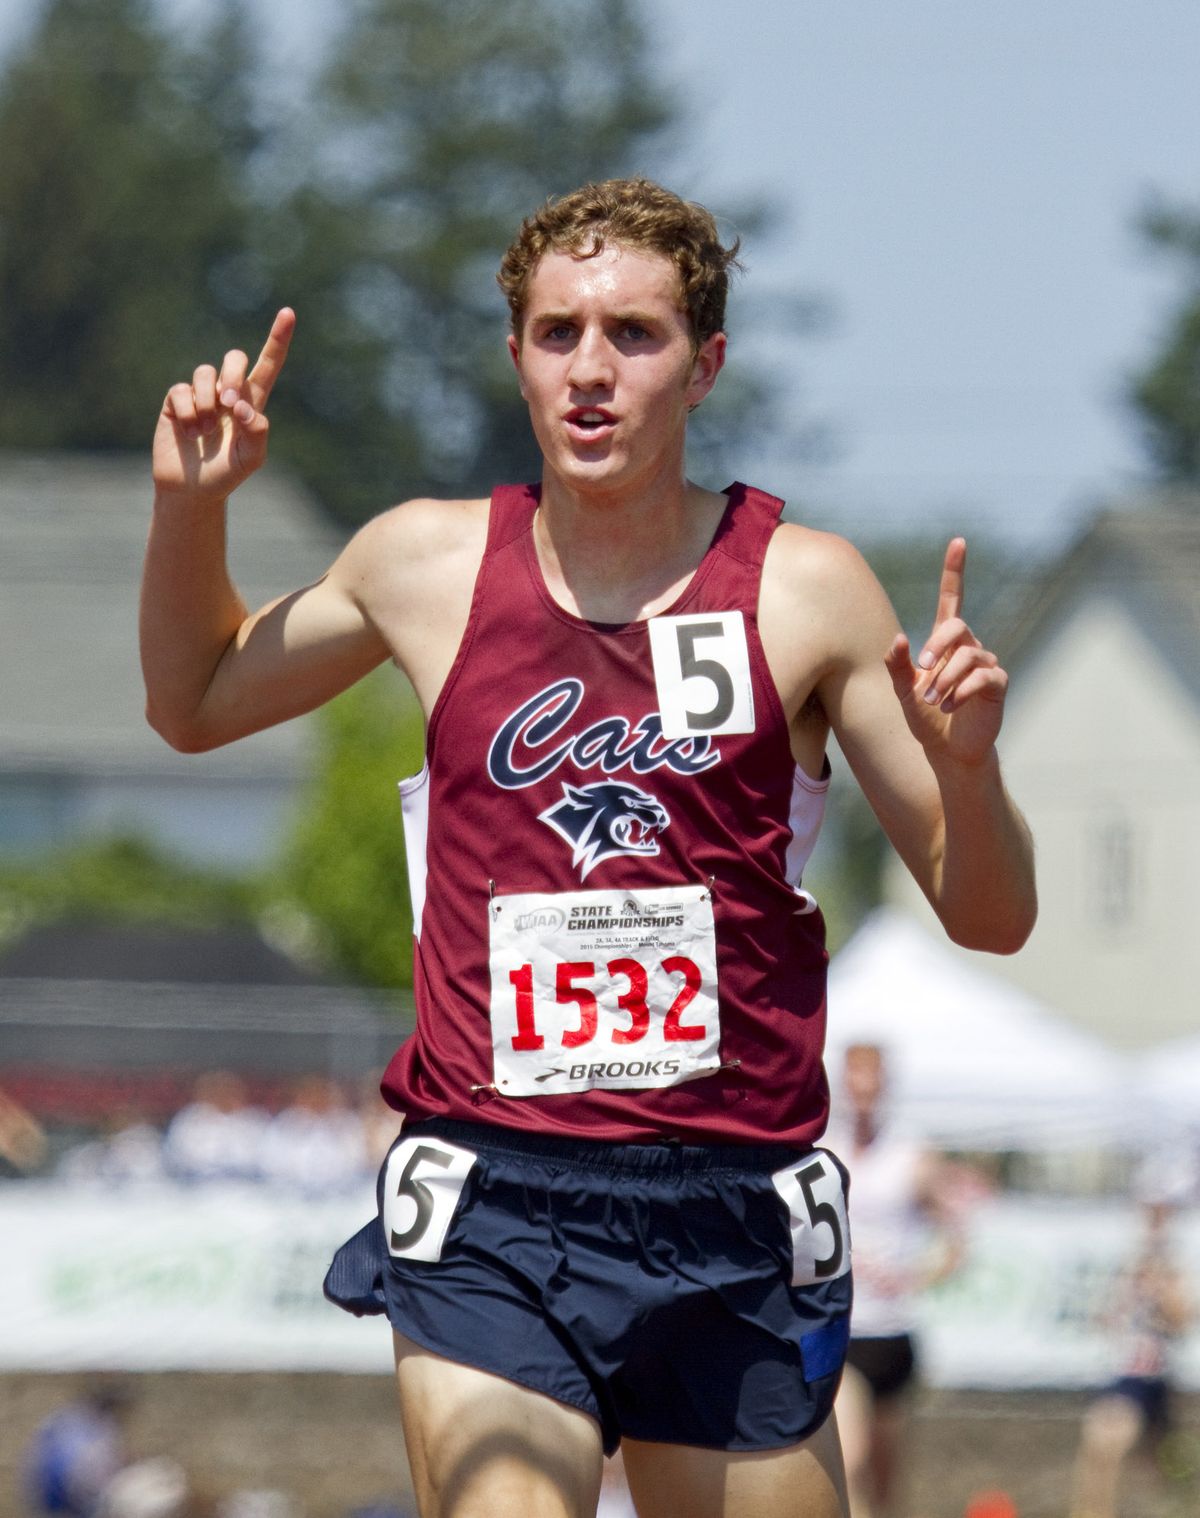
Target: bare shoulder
805, 559
412, 571
818, 591
419, 543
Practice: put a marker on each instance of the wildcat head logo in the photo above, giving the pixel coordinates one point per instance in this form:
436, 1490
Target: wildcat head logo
607, 818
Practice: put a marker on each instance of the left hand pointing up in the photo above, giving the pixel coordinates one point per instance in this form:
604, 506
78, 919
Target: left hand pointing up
953, 698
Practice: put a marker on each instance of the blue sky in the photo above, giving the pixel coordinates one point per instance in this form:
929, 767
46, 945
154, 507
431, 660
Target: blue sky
961, 180
958, 181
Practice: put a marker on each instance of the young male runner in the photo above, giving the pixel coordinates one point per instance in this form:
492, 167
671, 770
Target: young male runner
605, 1219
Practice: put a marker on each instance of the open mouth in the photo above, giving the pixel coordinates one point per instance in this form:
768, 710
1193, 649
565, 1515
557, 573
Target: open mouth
590, 422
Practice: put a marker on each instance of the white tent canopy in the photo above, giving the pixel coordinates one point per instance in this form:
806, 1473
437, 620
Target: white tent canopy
973, 1062
1167, 1082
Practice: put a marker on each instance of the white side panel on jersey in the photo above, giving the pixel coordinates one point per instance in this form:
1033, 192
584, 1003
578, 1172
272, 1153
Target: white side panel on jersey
807, 812
414, 809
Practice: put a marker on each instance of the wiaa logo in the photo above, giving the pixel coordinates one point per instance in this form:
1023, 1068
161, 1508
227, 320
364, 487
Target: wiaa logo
610, 817
546, 919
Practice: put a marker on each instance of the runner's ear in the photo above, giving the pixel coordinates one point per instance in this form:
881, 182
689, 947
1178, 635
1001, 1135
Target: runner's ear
706, 365
514, 352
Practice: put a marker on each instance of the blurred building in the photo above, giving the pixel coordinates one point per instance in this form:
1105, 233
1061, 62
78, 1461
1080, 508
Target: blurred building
77, 758
107, 1023
1101, 748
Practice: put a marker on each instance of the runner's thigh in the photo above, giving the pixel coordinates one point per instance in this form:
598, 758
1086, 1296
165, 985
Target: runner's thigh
483, 1447
803, 1481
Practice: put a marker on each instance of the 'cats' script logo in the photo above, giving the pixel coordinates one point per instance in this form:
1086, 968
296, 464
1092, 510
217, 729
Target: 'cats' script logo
536, 740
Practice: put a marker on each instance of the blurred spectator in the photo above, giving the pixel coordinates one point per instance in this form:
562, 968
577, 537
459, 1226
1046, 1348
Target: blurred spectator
149, 1489
219, 1135
317, 1146
1149, 1311
22, 1140
380, 1123
77, 1451
906, 1237
263, 1502
128, 1151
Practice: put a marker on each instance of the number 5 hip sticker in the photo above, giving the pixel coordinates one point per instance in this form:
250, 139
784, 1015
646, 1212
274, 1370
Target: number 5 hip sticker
702, 674
421, 1187
816, 1202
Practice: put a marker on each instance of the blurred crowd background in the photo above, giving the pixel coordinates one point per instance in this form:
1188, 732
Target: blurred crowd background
206, 961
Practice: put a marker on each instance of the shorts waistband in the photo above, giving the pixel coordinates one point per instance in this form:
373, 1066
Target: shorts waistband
649, 1157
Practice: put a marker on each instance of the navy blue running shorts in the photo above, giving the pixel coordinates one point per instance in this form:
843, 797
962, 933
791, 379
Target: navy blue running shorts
887, 1363
681, 1294
1151, 1395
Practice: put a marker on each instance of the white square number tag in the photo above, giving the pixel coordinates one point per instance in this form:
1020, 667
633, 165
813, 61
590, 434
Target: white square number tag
603, 989
421, 1187
702, 674
813, 1194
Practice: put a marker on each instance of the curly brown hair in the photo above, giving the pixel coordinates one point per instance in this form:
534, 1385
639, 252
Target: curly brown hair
636, 213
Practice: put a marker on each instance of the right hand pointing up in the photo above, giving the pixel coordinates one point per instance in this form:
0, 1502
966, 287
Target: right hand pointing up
212, 433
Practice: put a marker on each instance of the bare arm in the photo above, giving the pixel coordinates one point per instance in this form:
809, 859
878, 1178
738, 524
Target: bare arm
941, 799
213, 671
928, 768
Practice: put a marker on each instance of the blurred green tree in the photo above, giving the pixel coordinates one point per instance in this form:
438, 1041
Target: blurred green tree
336, 898
1166, 394
189, 202
119, 880
344, 865
156, 205
443, 123
120, 160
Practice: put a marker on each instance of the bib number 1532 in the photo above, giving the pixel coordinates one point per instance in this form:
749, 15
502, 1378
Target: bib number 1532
603, 989
574, 985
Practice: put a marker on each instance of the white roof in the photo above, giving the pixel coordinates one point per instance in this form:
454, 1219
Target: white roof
973, 1062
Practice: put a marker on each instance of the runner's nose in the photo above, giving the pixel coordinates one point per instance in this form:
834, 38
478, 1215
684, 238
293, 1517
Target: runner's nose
591, 363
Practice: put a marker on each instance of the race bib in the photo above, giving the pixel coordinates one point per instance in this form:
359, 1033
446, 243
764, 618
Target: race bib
603, 989
422, 1182
815, 1198
702, 674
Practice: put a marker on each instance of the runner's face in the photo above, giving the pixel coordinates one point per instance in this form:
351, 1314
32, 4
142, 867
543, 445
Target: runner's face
864, 1080
607, 366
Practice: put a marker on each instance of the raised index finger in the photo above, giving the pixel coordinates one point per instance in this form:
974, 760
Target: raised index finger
950, 590
270, 361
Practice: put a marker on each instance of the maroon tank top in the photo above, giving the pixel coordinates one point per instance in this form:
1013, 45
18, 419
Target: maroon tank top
605, 849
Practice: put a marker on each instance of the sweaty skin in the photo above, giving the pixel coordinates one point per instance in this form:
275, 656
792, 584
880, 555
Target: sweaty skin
619, 533
606, 360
